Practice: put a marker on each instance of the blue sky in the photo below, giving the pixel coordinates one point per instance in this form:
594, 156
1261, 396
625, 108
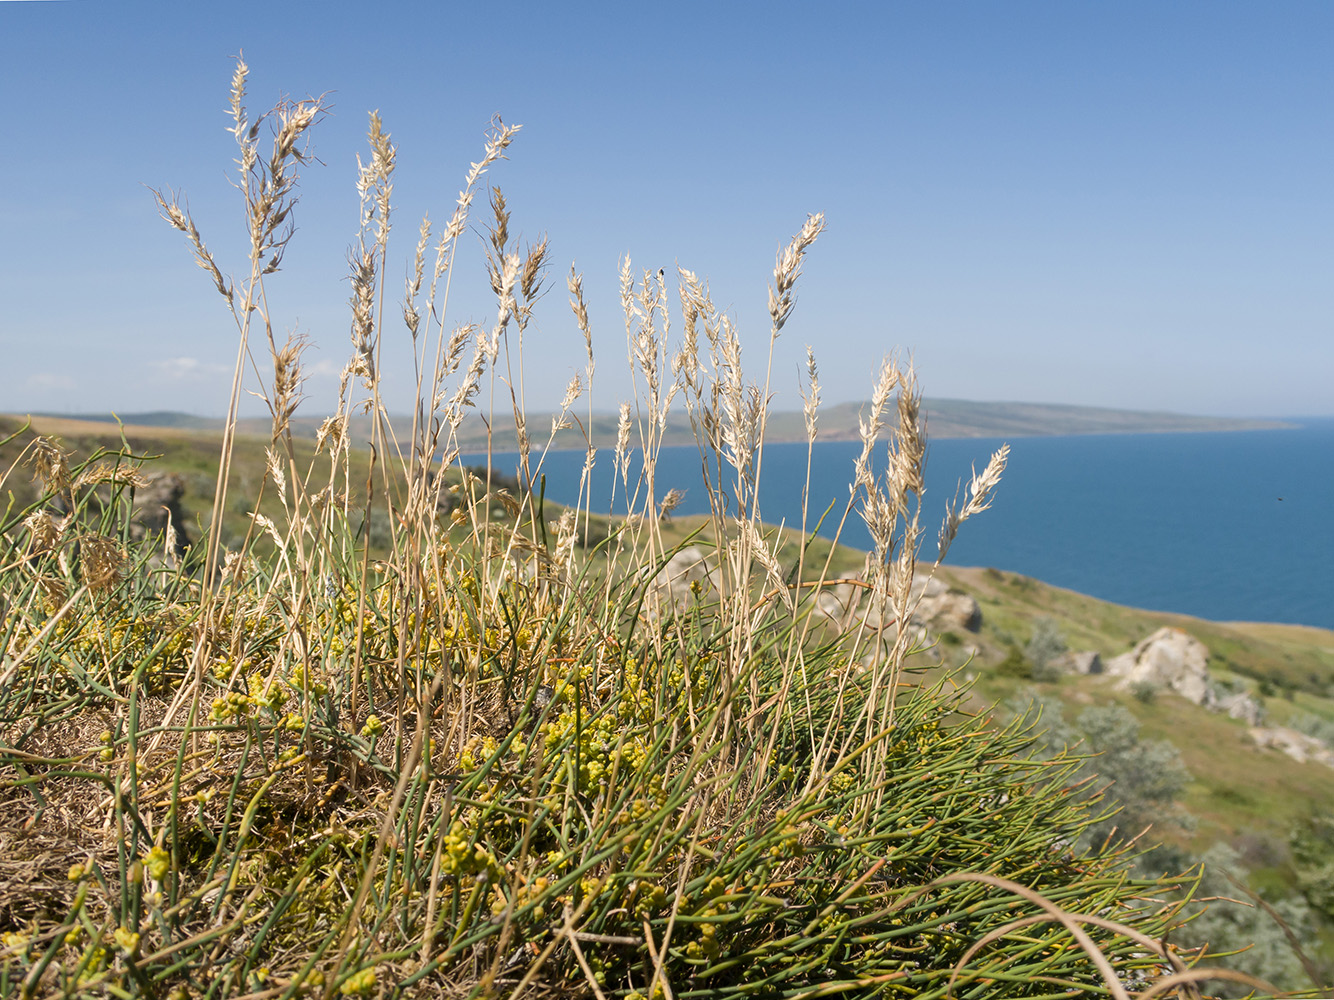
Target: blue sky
1110, 204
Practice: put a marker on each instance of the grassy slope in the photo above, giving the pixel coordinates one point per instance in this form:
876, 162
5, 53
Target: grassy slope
1238, 789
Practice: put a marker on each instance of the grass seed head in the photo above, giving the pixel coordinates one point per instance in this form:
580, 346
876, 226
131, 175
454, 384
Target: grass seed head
45, 531
100, 562
50, 464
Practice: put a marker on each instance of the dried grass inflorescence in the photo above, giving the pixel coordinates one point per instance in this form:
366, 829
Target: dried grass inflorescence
411, 731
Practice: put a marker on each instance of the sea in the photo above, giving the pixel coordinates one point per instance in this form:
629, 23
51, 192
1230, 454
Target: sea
1230, 526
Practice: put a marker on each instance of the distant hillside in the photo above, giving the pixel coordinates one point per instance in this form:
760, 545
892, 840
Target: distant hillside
946, 418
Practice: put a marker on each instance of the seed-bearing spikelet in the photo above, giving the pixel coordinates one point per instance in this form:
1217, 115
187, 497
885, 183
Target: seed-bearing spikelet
499, 137
499, 236
575, 284
869, 427
458, 340
505, 303
628, 307
622, 440
54, 593
50, 464
565, 536
234, 566
170, 544
810, 396
979, 499
411, 314
787, 269
45, 532
671, 501
241, 125
560, 420
179, 218
268, 527
534, 266
901, 571
362, 264
471, 383
100, 562
107, 472
766, 558
287, 381
911, 450
332, 431
275, 466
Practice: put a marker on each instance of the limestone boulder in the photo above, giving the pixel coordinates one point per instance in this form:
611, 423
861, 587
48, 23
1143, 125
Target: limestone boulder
938, 608
943, 610
1241, 705
837, 604
1298, 746
1170, 659
685, 576
157, 505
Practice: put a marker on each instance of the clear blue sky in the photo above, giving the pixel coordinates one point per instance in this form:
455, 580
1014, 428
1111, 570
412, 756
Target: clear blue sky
1126, 204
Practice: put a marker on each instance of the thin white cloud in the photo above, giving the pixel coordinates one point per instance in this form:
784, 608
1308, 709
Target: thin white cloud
324, 368
50, 382
187, 369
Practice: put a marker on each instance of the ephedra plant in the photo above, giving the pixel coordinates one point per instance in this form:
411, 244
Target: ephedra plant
511, 753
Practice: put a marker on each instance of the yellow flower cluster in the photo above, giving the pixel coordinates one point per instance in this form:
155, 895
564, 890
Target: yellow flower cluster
463, 855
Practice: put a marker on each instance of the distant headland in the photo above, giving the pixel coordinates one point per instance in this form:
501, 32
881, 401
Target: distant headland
946, 418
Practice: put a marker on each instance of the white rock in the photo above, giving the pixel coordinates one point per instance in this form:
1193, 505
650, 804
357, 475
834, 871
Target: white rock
1170, 658
1242, 706
675, 586
1298, 746
845, 606
946, 611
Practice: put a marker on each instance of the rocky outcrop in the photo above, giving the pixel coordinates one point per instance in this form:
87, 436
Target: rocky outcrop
1174, 660
1298, 746
836, 604
685, 576
157, 505
938, 608
1171, 659
1241, 705
943, 610
1085, 662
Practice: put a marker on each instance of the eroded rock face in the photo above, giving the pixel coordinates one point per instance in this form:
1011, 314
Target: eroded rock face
1169, 658
1298, 746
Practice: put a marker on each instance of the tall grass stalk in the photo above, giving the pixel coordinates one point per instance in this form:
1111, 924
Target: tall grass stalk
512, 749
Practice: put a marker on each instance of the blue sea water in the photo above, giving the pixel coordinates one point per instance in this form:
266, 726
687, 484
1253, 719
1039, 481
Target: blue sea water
1228, 526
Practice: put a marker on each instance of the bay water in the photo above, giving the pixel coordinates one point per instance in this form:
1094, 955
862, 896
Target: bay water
1235, 525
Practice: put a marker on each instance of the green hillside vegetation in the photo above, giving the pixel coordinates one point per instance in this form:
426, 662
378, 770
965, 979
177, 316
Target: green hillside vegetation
1238, 797
385, 732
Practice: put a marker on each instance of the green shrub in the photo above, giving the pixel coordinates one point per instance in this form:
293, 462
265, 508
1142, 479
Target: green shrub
1044, 647
1015, 664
